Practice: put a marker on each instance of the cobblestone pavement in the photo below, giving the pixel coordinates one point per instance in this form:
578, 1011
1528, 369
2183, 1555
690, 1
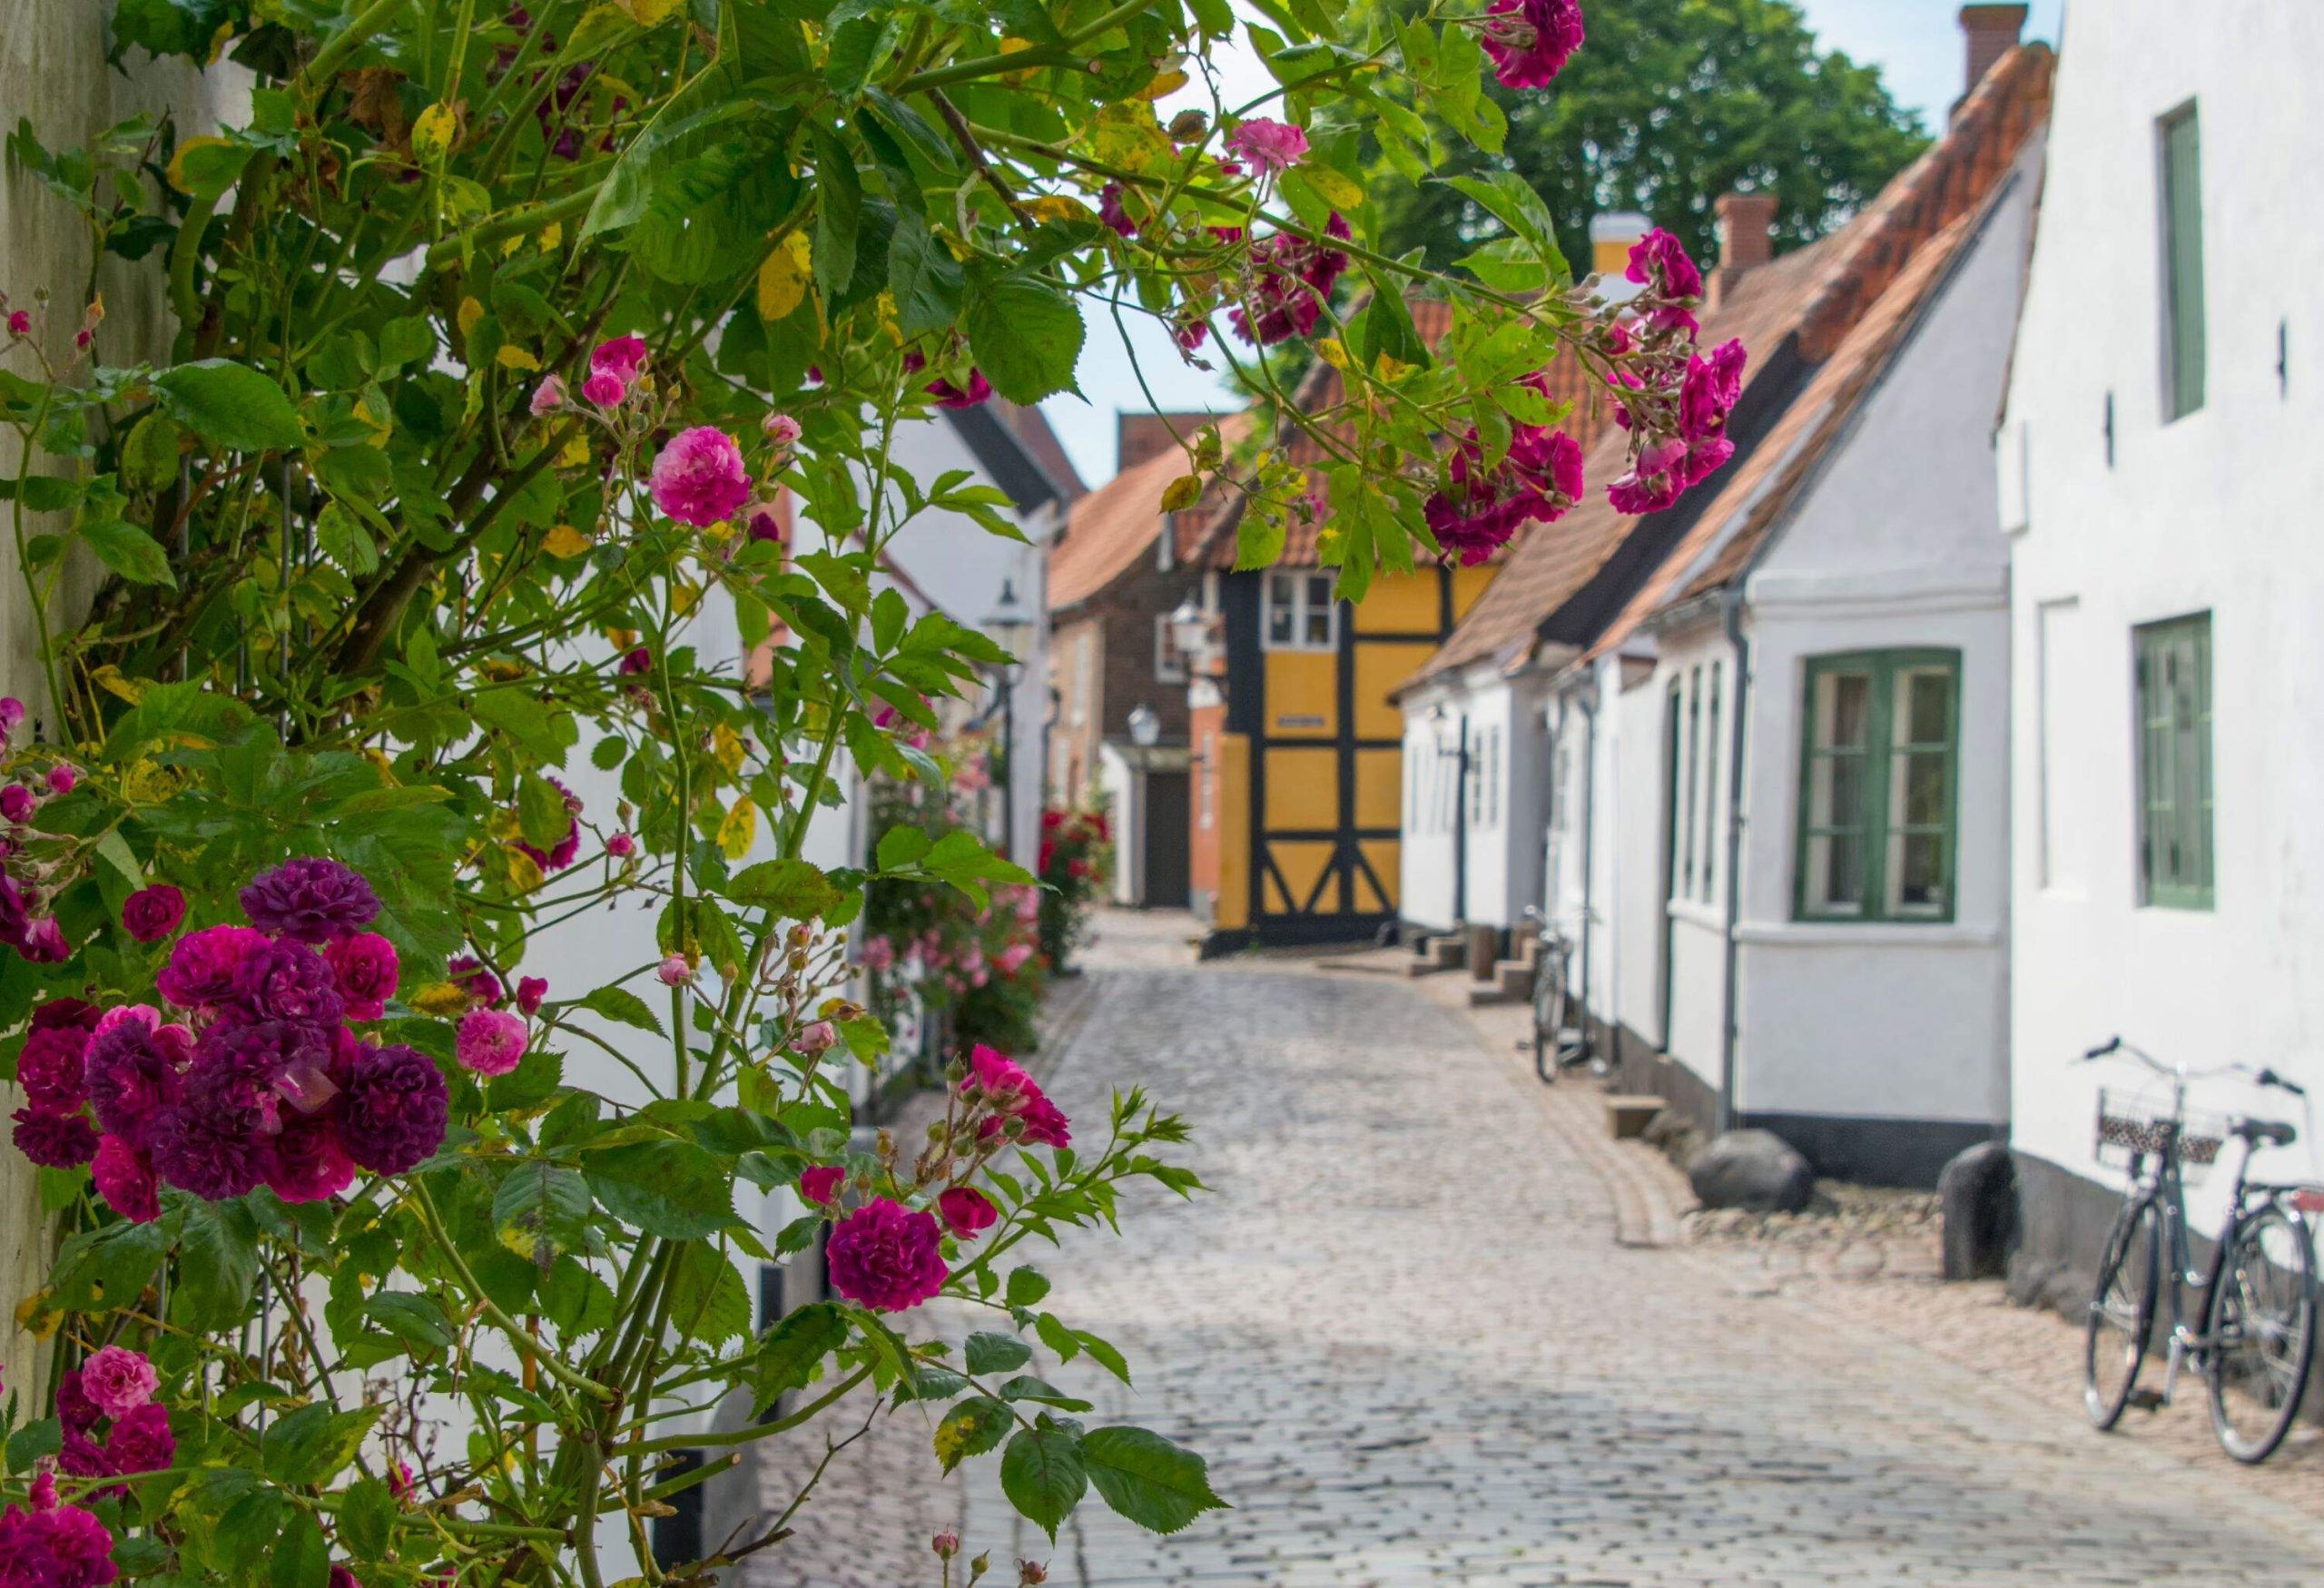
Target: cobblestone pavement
1405, 1335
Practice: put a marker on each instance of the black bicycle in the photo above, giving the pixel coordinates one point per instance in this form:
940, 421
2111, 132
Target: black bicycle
2257, 1319
1561, 1035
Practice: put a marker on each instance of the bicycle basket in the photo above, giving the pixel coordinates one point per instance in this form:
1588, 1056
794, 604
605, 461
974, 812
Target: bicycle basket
2132, 1125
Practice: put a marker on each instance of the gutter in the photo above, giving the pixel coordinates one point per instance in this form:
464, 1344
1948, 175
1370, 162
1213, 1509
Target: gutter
1723, 1112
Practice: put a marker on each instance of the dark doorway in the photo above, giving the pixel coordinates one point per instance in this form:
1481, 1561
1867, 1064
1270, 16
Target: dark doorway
1165, 840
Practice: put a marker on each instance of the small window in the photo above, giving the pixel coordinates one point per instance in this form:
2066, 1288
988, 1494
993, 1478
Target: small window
2173, 663
1300, 613
1169, 662
2180, 158
1877, 786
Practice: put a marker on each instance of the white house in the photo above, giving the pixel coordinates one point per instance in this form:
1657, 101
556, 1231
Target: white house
2158, 477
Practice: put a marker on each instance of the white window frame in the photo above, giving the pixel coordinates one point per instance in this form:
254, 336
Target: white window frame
1297, 582
1169, 664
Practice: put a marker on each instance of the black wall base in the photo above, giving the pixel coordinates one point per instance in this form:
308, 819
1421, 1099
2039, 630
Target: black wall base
1910, 1153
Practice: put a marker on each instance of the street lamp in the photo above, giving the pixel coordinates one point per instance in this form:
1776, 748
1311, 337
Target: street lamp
1190, 628
1007, 625
1440, 720
1145, 727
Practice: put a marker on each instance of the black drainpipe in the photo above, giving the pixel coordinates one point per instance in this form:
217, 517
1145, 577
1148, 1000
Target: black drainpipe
1731, 601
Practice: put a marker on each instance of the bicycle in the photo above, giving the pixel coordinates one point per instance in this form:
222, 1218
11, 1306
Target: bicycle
2257, 1308
1557, 1045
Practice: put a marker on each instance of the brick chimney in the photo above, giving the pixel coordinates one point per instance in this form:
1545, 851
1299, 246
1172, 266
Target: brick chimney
1990, 33
1746, 238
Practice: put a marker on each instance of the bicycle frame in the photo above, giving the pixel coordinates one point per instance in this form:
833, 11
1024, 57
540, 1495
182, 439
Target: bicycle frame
2166, 1187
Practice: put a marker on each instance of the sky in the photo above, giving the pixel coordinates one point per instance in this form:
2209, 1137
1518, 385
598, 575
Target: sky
1916, 43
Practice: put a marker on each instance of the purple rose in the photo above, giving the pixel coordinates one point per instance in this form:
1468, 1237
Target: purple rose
125, 1179
366, 968
393, 1108
212, 1141
201, 968
285, 1061
287, 980
311, 899
61, 1547
886, 1256
16, 803
141, 1441
306, 1161
150, 914
74, 1409
133, 1068
50, 1068
55, 1140
44, 942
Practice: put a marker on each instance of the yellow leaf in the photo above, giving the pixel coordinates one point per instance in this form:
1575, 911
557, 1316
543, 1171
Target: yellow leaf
148, 783
739, 831
524, 870
440, 999
1330, 351
783, 280
551, 236
111, 679
1057, 207
177, 160
470, 313
576, 453
726, 747
39, 1315
565, 541
647, 12
1341, 192
436, 130
1167, 83
1182, 492
512, 357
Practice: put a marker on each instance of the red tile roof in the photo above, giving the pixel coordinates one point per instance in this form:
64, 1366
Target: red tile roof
1110, 529
1811, 300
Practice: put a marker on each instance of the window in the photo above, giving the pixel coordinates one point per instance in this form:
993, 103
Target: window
1300, 613
1169, 662
1877, 786
2173, 663
2180, 147
1710, 783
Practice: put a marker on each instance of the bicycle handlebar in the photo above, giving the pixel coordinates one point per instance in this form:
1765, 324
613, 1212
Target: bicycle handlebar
2104, 1048
2263, 1077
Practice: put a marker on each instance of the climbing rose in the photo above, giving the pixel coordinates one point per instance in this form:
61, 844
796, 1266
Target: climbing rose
763, 522
311, 899
118, 1380
548, 396
967, 1212
44, 942
605, 390
621, 847
781, 428
287, 980
61, 779
817, 1036
622, 357
366, 968
393, 1113
1531, 40
943, 391
125, 1179
530, 992
55, 1140
673, 972
699, 477
1270, 145
20, 323
203, 965
66, 1547
141, 1441
879, 953
1111, 214
212, 1141
884, 1256
50, 1068
490, 1041
1013, 957
16, 803
1291, 280
821, 1184
12, 712
1541, 477
340, 1577
150, 914
1005, 1088
1709, 390
1665, 470
131, 1067
306, 1161
1658, 260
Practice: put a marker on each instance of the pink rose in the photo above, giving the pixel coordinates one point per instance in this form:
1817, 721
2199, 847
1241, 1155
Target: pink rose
548, 396
1269, 145
61, 778
118, 1380
1658, 260
781, 428
1531, 41
879, 953
818, 1036
673, 972
967, 1212
621, 847
605, 390
489, 1040
622, 357
699, 479
821, 1184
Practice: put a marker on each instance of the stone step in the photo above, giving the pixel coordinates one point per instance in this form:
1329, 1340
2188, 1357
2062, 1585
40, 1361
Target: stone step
1448, 952
1485, 993
1626, 1113
1514, 977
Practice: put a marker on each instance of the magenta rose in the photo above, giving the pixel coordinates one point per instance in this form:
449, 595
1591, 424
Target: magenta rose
133, 1067
967, 1212
125, 1179
884, 1256
531, 992
50, 1068
61, 1547
365, 968
699, 477
821, 1184
287, 980
140, 1440
490, 1041
1531, 41
150, 914
306, 1161
621, 356
1658, 260
202, 964
1002, 1086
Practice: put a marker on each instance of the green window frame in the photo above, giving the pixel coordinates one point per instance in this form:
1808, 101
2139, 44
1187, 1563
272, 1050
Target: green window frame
1879, 775
2171, 667
2179, 144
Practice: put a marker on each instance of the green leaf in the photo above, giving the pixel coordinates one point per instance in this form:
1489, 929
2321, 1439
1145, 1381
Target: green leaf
1159, 1485
901, 847
149, 458
667, 1188
619, 1004
839, 215
794, 890
540, 1211
1025, 1387
217, 1266
230, 405
708, 1303
923, 277
28, 1443
541, 815
1026, 339
1026, 1286
996, 1352
367, 1518
974, 1426
787, 1358
312, 1445
300, 1559
129, 551
417, 1320
1042, 1475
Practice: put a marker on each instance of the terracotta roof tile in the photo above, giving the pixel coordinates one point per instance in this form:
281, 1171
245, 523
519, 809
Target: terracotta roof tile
1111, 528
1810, 299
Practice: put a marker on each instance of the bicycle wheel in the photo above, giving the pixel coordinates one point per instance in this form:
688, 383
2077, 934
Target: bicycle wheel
2261, 1329
1549, 1015
2122, 1312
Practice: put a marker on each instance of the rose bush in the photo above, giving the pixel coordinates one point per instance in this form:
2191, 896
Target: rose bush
504, 333
1075, 862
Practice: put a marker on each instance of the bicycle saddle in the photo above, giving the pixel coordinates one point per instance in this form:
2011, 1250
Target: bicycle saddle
2264, 1132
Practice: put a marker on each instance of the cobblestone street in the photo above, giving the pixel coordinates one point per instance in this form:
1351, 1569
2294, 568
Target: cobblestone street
1405, 1335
